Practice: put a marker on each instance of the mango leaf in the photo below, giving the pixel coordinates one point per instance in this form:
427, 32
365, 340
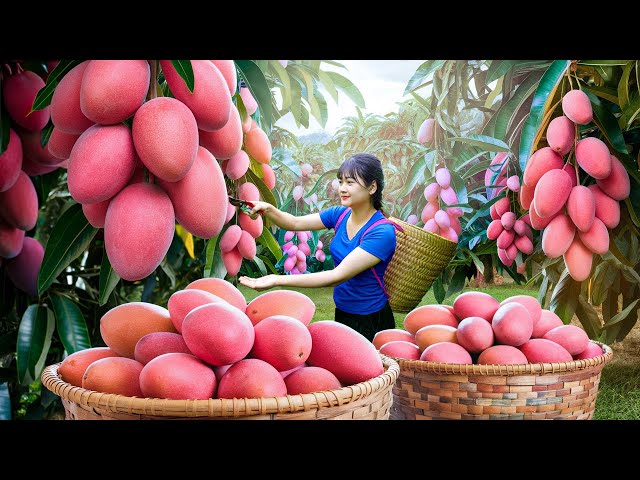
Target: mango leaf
344, 84
601, 281
331, 173
564, 298
498, 68
286, 83
438, 290
607, 123
323, 111
267, 239
541, 100
70, 237
603, 62
108, 279
623, 85
187, 239
296, 102
34, 339
604, 92
500, 122
169, 272
494, 94
622, 315
632, 212
267, 263
43, 98
265, 193
327, 83
5, 402
45, 133
482, 141
45, 183
416, 174
423, 71
630, 111
257, 84
185, 70
214, 266
70, 324
457, 281
589, 318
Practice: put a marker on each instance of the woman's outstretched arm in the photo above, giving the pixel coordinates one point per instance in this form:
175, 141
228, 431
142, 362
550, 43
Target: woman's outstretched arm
357, 261
286, 220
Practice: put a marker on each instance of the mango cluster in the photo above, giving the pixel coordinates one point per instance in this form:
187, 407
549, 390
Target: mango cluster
574, 205
209, 342
512, 234
478, 329
443, 221
168, 167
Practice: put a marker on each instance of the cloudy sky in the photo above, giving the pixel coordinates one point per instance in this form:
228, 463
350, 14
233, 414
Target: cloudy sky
381, 82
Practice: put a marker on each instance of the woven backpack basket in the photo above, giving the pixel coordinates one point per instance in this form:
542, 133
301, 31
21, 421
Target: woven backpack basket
368, 400
420, 257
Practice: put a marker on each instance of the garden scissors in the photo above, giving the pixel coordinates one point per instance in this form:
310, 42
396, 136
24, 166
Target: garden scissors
245, 206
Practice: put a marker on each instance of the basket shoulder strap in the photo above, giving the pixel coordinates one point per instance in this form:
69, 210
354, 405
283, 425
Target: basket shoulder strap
373, 270
342, 215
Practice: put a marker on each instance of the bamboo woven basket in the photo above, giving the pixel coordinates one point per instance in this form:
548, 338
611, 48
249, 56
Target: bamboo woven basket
420, 257
370, 400
534, 391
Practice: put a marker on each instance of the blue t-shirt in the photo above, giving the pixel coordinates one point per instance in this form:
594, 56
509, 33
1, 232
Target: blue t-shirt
361, 294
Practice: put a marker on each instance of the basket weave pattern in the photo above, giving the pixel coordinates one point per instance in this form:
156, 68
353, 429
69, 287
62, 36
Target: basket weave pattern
369, 400
420, 257
440, 391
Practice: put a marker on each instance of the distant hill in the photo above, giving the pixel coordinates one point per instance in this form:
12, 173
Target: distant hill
320, 137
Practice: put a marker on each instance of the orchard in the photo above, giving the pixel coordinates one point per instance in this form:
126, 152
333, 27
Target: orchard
116, 180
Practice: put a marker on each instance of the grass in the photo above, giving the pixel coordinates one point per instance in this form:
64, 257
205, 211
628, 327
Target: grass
618, 394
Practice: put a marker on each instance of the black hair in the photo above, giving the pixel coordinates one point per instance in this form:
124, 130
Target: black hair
367, 168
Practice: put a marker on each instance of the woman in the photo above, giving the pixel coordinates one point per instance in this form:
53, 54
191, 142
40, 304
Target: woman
360, 261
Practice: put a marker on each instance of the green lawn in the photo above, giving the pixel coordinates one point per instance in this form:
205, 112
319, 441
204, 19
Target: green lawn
618, 395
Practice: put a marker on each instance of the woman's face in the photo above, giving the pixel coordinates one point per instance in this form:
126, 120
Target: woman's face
353, 193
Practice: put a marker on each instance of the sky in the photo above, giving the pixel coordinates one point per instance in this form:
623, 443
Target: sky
381, 82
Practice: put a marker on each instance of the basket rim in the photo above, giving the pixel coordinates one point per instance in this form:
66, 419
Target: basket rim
509, 369
221, 407
422, 231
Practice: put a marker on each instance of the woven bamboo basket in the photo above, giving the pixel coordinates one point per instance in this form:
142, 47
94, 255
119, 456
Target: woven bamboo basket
420, 257
534, 391
370, 400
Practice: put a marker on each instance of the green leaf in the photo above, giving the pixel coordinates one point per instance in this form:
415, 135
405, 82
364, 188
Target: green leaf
34, 339
214, 266
5, 402
416, 174
603, 277
422, 102
70, 323
589, 318
45, 183
70, 237
296, 102
257, 84
327, 83
476, 260
286, 83
168, 270
602, 62
622, 315
45, 133
564, 298
344, 84
498, 68
457, 281
500, 123
438, 290
185, 70
268, 264
630, 112
267, 239
323, 111
423, 71
604, 92
607, 123
482, 141
548, 83
43, 98
283, 157
108, 279
494, 94
265, 193
623, 86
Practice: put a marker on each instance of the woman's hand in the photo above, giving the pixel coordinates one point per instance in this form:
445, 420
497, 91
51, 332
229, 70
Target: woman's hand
258, 207
261, 283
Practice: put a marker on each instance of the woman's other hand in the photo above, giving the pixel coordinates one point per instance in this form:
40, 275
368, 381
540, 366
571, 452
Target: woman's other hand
261, 283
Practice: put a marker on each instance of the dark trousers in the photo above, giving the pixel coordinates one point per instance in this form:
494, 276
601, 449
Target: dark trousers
368, 325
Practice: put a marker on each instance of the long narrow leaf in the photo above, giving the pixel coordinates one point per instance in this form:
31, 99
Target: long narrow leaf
344, 84
604, 92
185, 70
423, 71
623, 85
286, 83
267, 239
607, 123
70, 324
622, 315
108, 279
564, 298
43, 98
498, 68
5, 402
34, 340
589, 318
70, 237
259, 88
482, 141
542, 98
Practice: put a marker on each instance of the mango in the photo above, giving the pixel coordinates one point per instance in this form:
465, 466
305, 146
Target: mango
592, 350
138, 230
593, 156
237, 165
578, 260
178, 376
428, 315
577, 107
541, 350
19, 204
475, 304
11, 240
251, 378
581, 207
66, 114
561, 134
165, 135
548, 320
281, 341
512, 324
401, 349
11, 161
18, 92
542, 160
501, 355
426, 130
392, 334
72, 368
116, 375
475, 334
607, 209
551, 193
558, 235
225, 142
617, 184
596, 238
232, 261
60, 143
221, 288
23, 268
281, 302
183, 301
96, 212
228, 70
257, 145
446, 352
311, 379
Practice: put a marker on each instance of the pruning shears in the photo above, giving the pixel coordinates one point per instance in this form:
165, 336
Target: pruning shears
245, 206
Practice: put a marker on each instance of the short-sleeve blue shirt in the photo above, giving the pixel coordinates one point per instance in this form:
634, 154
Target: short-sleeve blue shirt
361, 294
